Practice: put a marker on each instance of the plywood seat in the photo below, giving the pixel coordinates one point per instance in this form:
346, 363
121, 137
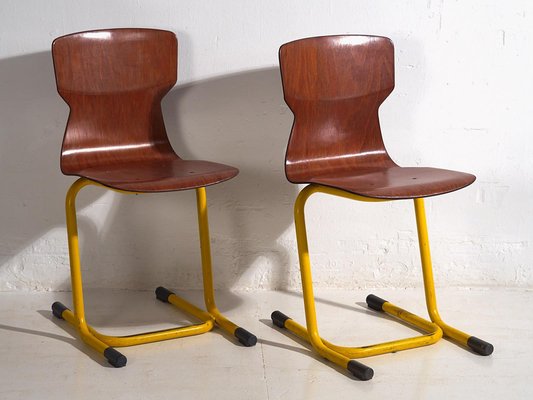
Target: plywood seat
395, 182
170, 174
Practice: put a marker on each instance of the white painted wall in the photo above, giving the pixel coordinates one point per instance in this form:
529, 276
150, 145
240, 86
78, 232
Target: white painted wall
462, 101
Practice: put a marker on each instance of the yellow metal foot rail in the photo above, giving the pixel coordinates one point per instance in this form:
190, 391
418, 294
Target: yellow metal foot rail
105, 343
344, 356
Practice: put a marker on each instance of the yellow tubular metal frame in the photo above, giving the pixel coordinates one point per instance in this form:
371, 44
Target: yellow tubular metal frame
101, 342
342, 356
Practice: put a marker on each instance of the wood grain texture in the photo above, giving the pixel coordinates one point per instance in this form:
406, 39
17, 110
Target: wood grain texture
114, 81
334, 86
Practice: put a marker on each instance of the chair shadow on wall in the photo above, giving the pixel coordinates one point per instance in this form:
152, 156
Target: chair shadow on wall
32, 198
148, 240
239, 120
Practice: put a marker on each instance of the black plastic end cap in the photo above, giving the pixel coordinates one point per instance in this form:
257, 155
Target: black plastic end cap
375, 302
58, 308
163, 294
480, 346
246, 338
279, 319
115, 358
360, 371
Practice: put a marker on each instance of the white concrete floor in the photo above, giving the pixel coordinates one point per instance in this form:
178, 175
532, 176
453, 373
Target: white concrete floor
42, 358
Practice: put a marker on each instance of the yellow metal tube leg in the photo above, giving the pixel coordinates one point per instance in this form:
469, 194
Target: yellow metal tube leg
475, 344
77, 318
343, 356
101, 342
245, 338
308, 295
311, 333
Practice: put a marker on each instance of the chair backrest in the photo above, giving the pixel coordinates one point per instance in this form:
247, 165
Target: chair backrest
114, 80
334, 86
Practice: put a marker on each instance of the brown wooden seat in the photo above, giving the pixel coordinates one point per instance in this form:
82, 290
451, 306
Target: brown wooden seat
114, 80
334, 86
395, 182
159, 175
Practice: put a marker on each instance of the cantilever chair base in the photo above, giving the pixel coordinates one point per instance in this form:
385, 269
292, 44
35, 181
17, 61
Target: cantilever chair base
344, 356
105, 344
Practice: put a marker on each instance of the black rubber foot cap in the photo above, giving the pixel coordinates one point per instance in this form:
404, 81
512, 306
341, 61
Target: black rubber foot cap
480, 346
115, 358
360, 371
246, 338
279, 319
375, 302
163, 294
57, 309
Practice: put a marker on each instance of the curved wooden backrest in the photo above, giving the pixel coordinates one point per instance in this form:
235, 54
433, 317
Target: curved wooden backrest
114, 80
334, 86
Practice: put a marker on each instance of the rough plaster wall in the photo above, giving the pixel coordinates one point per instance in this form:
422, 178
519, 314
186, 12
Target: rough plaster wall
462, 101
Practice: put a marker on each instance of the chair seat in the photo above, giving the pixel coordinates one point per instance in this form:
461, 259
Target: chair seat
160, 175
397, 182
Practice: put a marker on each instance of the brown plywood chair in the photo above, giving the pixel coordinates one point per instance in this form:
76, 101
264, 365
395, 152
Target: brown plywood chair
334, 86
113, 81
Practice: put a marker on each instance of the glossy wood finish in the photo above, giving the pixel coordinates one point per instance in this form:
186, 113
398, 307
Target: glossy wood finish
334, 86
114, 81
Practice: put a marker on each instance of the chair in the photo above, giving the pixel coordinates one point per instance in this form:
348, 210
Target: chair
334, 86
113, 81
